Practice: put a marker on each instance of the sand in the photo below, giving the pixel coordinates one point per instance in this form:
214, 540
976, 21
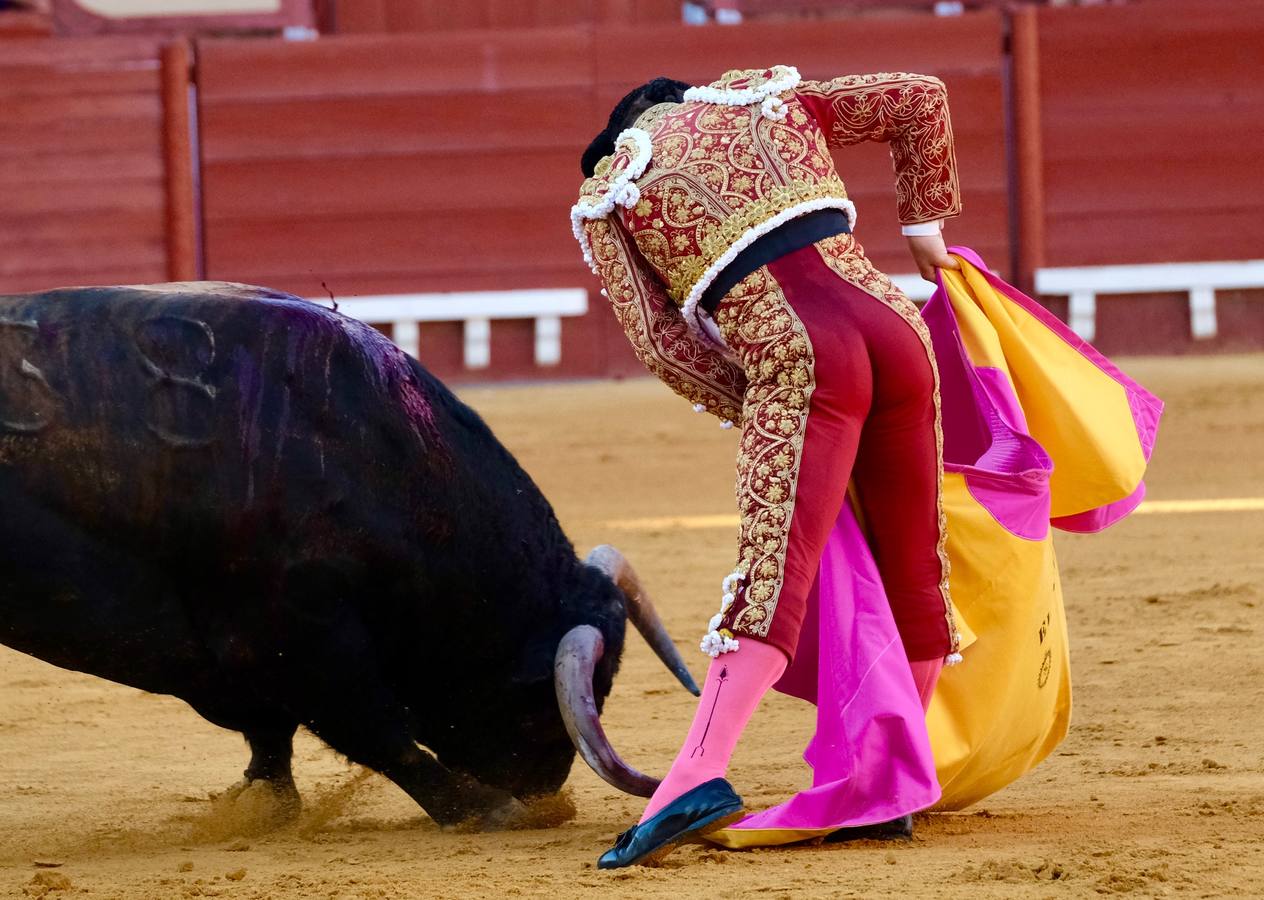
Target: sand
1158, 790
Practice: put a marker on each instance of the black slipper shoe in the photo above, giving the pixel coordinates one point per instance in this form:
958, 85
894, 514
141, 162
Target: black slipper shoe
895, 830
707, 808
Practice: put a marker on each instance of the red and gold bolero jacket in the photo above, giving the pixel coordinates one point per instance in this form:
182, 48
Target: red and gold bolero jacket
694, 183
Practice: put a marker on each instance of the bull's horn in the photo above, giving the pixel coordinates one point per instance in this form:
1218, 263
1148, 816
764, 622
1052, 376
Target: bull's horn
641, 611
577, 657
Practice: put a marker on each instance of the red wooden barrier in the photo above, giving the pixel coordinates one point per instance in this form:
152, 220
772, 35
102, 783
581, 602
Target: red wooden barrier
1151, 124
391, 164
413, 16
401, 164
83, 196
446, 160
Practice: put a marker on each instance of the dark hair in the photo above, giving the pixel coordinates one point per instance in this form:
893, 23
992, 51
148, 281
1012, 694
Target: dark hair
625, 112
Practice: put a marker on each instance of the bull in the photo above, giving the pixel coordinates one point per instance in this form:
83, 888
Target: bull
266, 509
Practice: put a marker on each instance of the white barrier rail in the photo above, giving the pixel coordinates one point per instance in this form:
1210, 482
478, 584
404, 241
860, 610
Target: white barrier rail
914, 286
1200, 280
476, 309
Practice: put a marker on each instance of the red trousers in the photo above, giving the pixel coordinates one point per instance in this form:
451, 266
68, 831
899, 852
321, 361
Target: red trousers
841, 388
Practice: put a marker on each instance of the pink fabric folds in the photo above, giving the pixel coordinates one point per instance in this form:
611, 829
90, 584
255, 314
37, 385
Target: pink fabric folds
871, 757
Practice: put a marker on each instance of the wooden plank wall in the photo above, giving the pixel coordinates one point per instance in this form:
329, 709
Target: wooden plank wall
448, 161
441, 160
413, 16
82, 191
399, 164
1152, 132
1153, 115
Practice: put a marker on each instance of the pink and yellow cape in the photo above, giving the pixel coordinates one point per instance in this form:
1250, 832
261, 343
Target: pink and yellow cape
1039, 429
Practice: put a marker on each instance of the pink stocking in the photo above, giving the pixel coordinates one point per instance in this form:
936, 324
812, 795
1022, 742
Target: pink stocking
925, 674
735, 683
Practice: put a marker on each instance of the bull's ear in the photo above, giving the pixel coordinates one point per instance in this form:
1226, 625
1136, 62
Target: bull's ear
535, 660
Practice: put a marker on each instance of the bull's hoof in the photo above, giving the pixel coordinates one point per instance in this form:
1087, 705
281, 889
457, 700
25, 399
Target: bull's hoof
499, 811
262, 803
512, 813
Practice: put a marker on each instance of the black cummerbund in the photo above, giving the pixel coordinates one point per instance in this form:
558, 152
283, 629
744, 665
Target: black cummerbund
794, 235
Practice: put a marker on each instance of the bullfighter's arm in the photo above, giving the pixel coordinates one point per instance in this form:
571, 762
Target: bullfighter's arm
910, 112
656, 329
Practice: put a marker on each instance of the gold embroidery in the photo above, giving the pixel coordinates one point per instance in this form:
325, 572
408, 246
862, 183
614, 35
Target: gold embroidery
847, 259
607, 169
662, 341
716, 173
750, 79
909, 111
756, 318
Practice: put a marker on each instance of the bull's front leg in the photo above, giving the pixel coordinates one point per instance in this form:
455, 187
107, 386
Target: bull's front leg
332, 682
374, 732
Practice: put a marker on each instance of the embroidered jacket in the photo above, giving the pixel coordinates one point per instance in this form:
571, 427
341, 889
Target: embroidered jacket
694, 183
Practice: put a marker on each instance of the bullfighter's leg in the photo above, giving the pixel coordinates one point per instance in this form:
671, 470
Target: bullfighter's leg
897, 479
808, 393
839, 383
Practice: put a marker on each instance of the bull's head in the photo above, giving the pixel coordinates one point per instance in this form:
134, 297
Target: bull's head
578, 656
550, 705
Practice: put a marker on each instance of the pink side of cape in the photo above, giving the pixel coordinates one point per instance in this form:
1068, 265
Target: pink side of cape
871, 758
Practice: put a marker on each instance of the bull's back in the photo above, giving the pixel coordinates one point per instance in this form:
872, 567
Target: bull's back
211, 413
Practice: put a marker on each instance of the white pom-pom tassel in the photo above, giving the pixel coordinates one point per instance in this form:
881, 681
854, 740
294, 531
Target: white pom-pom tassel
714, 643
628, 196
714, 624
698, 407
726, 602
726, 424
773, 108
952, 659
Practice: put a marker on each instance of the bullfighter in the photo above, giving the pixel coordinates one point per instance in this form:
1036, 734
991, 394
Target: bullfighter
722, 233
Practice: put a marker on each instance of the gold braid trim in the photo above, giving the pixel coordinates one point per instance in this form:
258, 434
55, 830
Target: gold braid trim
776, 352
657, 331
847, 258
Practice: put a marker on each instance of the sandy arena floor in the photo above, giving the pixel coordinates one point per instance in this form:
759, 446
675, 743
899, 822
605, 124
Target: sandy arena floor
1159, 790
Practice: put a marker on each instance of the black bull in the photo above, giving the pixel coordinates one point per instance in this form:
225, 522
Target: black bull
266, 509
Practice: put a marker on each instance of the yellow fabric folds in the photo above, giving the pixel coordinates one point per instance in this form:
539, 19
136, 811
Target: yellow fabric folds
1009, 704
1078, 412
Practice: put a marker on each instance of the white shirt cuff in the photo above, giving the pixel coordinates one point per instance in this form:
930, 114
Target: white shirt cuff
922, 228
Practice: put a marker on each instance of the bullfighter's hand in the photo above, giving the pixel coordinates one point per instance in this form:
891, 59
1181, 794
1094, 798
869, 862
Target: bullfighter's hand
929, 253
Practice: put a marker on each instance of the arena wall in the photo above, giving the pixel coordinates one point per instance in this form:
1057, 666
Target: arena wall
415, 158
410, 16
448, 161
83, 191
1151, 126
